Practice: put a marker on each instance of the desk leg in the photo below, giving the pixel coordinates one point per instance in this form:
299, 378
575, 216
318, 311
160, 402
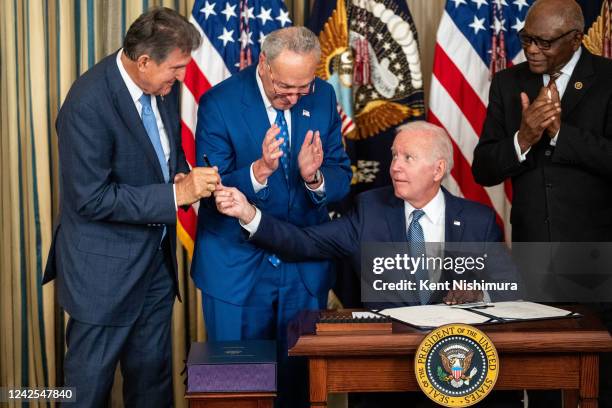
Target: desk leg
589, 380
318, 382
570, 398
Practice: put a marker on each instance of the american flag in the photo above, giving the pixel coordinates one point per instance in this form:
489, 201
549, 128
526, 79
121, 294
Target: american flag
232, 33
475, 39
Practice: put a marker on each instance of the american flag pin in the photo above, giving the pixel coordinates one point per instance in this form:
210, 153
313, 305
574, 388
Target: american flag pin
457, 223
305, 113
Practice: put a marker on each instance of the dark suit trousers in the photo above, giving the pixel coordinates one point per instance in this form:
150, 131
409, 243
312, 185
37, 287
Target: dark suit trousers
143, 349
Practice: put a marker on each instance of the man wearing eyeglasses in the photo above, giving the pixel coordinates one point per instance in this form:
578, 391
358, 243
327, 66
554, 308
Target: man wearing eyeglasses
549, 130
273, 131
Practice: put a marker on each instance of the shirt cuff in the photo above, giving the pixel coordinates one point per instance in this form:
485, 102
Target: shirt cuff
521, 156
553, 141
252, 226
257, 186
319, 190
174, 192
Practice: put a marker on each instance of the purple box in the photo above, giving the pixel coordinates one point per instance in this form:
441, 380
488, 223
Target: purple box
232, 366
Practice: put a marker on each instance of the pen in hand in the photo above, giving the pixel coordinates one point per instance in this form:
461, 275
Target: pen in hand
206, 161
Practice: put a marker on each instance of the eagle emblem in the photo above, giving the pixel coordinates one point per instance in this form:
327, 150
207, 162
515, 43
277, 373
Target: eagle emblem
370, 55
456, 360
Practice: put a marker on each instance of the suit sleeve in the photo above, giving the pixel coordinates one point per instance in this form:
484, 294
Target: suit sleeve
336, 167
330, 240
87, 153
587, 149
495, 158
213, 139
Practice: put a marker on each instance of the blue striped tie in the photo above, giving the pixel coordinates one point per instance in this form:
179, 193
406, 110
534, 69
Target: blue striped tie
150, 124
416, 243
284, 133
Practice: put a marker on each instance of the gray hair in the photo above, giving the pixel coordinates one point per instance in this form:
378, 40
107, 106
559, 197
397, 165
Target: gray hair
442, 148
297, 39
570, 12
158, 32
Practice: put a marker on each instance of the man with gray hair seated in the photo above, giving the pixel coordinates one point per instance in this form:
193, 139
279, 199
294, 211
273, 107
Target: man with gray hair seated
415, 209
273, 131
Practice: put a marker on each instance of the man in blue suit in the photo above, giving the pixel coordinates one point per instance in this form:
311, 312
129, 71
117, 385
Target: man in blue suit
415, 208
122, 175
274, 132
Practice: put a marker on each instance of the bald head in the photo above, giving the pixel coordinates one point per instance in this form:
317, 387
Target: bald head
552, 34
564, 13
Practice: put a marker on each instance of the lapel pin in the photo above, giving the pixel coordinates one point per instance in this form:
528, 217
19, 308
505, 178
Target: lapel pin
305, 113
457, 223
578, 85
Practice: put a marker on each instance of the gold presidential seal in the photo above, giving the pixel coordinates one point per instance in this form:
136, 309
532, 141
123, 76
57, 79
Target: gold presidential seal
456, 365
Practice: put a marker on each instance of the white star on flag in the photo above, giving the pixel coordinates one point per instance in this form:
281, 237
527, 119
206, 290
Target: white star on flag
518, 26
477, 24
226, 36
459, 2
498, 25
249, 14
480, 3
283, 17
229, 11
208, 9
520, 4
262, 37
245, 38
265, 15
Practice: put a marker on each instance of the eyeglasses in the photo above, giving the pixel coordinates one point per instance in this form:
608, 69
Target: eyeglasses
284, 90
541, 43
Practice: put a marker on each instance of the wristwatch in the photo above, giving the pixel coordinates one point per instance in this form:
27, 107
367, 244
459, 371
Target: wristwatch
315, 179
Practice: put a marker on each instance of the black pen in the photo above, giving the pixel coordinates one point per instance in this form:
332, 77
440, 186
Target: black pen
206, 161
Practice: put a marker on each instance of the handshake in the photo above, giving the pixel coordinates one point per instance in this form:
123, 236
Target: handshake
199, 183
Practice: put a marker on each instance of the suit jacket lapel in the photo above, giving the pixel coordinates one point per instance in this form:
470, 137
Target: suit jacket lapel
396, 218
300, 124
454, 222
254, 114
583, 75
127, 110
532, 83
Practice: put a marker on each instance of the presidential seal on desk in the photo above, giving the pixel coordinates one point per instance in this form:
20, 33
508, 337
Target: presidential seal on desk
456, 365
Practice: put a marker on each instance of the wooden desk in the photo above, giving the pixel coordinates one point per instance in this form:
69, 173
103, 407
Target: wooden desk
554, 354
231, 400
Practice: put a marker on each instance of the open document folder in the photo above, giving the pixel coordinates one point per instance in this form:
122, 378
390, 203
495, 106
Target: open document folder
430, 316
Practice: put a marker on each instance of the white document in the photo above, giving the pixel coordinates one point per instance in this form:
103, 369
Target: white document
433, 315
525, 311
428, 316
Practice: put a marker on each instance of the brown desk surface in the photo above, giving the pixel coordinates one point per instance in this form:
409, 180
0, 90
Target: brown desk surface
582, 334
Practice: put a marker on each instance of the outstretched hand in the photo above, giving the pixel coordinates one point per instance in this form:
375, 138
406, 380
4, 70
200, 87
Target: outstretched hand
231, 202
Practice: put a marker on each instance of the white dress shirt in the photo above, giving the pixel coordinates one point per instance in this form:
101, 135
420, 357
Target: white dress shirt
271, 111
136, 93
562, 81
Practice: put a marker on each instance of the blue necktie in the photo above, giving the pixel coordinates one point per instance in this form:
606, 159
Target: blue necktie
416, 243
284, 133
150, 124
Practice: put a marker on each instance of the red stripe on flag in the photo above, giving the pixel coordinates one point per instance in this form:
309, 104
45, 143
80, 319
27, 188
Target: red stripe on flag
188, 220
508, 189
188, 142
459, 89
462, 172
195, 80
